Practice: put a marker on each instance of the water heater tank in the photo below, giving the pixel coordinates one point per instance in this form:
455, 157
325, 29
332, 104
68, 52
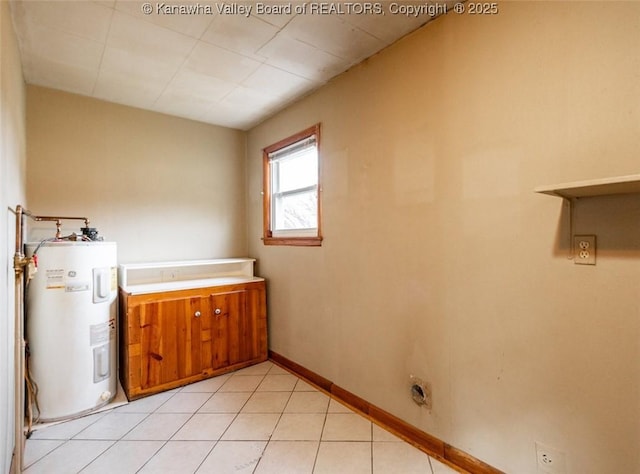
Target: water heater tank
71, 327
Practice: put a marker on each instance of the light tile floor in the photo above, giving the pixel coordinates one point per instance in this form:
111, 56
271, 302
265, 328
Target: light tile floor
259, 420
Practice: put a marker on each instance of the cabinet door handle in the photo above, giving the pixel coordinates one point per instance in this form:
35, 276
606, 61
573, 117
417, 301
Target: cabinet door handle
197, 314
218, 311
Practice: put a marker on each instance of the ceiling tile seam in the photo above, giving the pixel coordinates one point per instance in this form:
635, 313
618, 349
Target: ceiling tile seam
360, 29
344, 22
274, 67
257, 50
49, 25
187, 57
260, 58
147, 20
261, 61
137, 18
277, 26
104, 49
221, 99
268, 60
26, 52
313, 46
177, 71
200, 39
204, 30
267, 23
253, 15
280, 31
201, 116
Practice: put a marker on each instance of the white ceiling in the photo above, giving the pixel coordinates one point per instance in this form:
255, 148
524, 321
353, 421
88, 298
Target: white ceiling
227, 69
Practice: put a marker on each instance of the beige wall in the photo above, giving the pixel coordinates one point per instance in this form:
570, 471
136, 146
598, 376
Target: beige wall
440, 261
12, 193
163, 188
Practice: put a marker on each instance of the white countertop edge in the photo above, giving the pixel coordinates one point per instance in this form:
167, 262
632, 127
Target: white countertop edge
187, 284
186, 263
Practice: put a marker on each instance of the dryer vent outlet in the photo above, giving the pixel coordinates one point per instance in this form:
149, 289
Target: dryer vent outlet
420, 392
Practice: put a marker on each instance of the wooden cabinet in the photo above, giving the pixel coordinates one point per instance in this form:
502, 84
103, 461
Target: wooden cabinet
172, 338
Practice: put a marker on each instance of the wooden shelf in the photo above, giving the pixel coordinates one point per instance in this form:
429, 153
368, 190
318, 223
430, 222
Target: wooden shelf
594, 187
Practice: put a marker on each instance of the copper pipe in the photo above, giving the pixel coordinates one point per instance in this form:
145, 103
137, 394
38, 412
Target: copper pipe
57, 220
60, 218
19, 212
19, 262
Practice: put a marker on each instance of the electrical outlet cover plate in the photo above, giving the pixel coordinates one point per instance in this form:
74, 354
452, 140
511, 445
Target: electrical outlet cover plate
584, 248
549, 460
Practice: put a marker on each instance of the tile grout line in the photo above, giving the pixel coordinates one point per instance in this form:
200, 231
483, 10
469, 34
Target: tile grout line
73, 438
64, 443
239, 411
277, 422
155, 412
216, 442
261, 410
430, 464
117, 440
324, 423
64, 440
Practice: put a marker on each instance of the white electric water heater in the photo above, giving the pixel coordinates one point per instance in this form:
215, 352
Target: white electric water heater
71, 326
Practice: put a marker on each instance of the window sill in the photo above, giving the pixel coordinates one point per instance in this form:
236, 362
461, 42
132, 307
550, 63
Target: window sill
294, 241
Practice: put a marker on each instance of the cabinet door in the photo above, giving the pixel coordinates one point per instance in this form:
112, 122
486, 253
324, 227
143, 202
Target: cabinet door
228, 327
175, 340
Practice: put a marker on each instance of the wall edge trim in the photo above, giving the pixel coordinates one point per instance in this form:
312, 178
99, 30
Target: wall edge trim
427, 443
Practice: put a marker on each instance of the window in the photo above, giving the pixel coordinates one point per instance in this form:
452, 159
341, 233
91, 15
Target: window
291, 204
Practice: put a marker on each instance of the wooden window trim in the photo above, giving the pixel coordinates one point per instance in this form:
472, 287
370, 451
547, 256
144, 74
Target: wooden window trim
267, 235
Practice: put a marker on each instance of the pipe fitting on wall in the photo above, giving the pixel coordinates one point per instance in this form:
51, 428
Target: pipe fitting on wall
420, 392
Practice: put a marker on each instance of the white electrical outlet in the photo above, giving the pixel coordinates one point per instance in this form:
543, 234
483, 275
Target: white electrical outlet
584, 248
550, 460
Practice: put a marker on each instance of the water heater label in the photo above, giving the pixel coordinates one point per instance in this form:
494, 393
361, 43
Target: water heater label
73, 287
99, 333
103, 332
55, 278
